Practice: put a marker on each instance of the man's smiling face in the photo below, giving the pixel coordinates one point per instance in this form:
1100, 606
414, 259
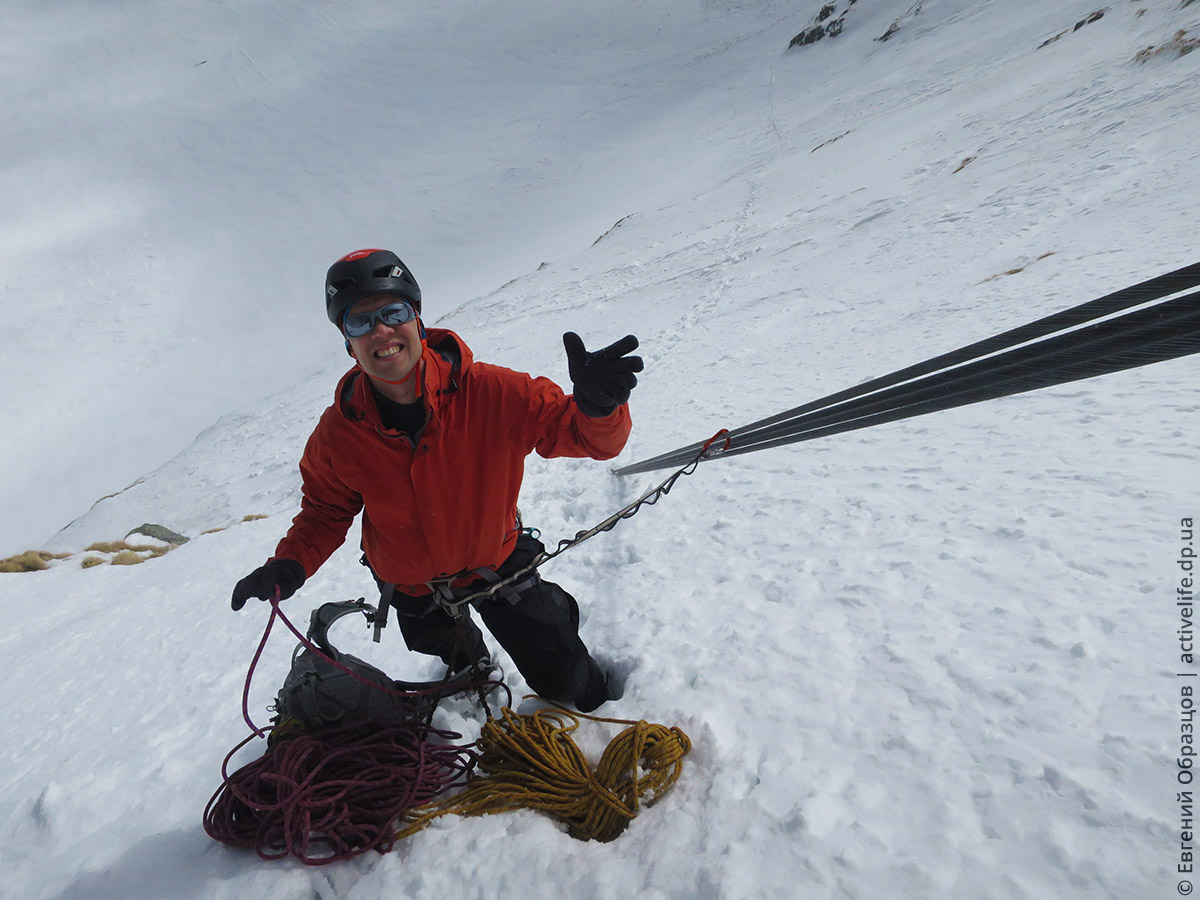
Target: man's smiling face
387, 353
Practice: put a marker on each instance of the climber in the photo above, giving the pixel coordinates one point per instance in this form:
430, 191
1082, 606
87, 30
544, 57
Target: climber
430, 446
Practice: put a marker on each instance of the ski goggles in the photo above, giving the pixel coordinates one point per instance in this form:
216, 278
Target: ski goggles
359, 324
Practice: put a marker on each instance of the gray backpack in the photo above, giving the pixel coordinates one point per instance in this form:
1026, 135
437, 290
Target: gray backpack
320, 691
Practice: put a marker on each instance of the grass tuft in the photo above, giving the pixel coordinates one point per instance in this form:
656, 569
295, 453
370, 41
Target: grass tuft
89, 561
253, 517
1181, 44
29, 561
118, 546
107, 547
127, 558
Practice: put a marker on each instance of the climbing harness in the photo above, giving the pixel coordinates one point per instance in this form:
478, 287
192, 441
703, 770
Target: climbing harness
1053, 350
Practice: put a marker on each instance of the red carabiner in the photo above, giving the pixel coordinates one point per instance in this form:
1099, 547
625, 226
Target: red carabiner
708, 444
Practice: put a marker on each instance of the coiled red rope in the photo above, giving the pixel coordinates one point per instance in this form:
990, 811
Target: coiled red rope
334, 794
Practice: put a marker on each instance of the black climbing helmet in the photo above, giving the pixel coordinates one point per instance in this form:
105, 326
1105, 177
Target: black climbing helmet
365, 273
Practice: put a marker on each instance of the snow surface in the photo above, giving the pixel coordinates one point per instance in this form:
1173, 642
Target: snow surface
932, 659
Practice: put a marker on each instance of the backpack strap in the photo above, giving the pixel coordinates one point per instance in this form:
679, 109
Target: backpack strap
381, 615
326, 614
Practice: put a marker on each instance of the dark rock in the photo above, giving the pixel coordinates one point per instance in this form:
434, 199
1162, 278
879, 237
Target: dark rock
1094, 17
827, 23
1049, 41
808, 36
895, 26
159, 533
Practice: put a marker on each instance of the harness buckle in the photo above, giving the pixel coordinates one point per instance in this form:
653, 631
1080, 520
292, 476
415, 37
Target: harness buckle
445, 597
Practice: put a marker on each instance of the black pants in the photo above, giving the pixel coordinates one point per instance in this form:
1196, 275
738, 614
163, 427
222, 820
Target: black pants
540, 632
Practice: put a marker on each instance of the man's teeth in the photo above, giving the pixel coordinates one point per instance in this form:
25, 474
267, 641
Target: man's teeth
386, 352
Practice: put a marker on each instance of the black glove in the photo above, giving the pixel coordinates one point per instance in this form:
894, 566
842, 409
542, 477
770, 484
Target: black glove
602, 379
285, 574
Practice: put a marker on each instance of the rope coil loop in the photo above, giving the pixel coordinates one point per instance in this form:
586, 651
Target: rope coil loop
335, 794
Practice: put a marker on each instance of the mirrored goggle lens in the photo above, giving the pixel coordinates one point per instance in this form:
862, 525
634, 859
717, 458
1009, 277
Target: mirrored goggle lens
358, 324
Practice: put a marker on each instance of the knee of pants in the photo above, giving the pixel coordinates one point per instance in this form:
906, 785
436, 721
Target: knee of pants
435, 632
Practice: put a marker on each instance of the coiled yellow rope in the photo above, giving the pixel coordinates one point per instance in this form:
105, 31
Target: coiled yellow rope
532, 762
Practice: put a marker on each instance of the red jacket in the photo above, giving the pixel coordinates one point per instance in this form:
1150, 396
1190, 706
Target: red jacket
449, 503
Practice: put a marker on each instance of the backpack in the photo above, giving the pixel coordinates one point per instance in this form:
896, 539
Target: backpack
332, 688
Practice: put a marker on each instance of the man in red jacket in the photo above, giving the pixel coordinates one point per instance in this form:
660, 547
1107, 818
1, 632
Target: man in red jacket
430, 446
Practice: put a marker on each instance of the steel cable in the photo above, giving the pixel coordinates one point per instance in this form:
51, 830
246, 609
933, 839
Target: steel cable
1132, 357
952, 375
1110, 347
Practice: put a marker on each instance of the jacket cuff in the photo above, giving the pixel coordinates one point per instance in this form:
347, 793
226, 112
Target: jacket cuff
591, 410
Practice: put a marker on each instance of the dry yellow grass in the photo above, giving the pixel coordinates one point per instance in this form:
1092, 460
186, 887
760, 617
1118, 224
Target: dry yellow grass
252, 517
107, 547
121, 546
1181, 44
125, 554
30, 561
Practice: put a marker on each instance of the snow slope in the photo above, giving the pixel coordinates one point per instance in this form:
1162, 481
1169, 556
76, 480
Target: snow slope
931, 659
178, 173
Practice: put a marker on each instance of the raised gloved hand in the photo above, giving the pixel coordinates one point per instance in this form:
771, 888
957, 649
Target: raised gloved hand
602, 379
285, 574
